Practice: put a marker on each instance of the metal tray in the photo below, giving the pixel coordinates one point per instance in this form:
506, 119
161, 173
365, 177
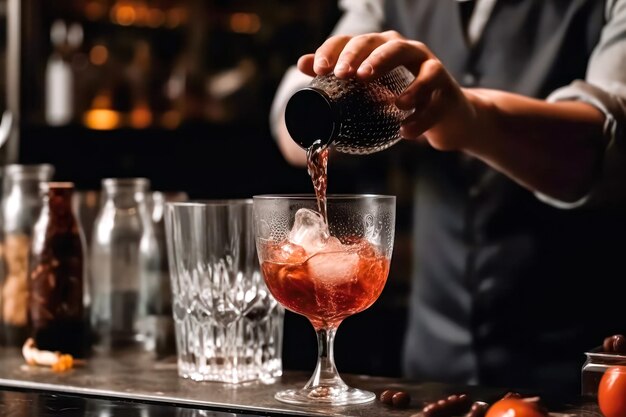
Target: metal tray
137, 376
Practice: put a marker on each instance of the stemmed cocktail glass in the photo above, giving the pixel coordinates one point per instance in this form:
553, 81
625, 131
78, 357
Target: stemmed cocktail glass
325, 272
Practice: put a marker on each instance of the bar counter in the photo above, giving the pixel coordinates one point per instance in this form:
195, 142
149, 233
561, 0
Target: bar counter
134, 384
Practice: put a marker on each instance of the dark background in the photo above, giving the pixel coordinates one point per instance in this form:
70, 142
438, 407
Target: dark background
222, 147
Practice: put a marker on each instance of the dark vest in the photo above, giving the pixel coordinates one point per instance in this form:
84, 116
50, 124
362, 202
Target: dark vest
508, 291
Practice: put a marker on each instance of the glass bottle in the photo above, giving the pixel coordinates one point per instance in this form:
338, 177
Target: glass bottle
123, 249
353, 116
22, 201
57, 275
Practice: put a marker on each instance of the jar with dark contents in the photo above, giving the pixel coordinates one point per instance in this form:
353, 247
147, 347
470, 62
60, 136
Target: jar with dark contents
57, 275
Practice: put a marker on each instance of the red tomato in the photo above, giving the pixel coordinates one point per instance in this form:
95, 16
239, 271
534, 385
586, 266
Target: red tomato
612, 392
514, 407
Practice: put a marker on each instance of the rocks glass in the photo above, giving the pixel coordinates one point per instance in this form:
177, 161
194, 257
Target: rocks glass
228, 327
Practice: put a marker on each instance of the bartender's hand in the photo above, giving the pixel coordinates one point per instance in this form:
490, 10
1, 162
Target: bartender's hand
442, 109
552, 148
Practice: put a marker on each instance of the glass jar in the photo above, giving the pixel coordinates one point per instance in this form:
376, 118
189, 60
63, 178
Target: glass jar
22, 201
597, 362
57, 275
124, 255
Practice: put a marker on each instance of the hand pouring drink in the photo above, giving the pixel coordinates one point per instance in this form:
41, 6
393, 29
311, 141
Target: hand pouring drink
328, 258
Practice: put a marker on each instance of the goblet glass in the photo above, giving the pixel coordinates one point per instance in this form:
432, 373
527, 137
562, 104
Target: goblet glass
325, 271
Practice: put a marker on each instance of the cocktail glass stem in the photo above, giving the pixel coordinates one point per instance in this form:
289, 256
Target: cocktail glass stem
325, 380
325, 386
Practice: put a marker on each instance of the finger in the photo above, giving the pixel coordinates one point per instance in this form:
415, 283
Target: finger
391, 54
305, 64
355, 51
326, 55
432, 76
424, 119
421, 139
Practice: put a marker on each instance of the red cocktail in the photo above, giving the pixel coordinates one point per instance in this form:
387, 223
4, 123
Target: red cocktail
325, 269
328, 286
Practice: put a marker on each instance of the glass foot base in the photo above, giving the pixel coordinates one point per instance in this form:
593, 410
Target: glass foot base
325, 396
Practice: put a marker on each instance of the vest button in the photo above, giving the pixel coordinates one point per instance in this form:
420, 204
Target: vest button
469, 80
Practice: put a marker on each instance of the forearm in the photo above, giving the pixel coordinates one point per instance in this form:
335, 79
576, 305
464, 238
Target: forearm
551, 148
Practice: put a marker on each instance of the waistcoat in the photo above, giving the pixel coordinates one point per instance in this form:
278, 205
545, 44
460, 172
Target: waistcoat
508, 291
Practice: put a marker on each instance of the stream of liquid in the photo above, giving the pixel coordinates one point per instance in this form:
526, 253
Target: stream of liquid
317, 166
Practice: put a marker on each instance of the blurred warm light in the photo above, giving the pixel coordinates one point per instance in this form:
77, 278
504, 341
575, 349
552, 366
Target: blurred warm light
171, 119
142, 12
140, 116
175, 17
123, 14
100, 116
101, 101
98, 55
95, 10
139, 13
101, 119
245, 23
156, 18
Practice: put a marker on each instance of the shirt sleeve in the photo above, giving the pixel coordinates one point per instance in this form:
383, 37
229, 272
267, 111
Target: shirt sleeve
604, 87
358, 16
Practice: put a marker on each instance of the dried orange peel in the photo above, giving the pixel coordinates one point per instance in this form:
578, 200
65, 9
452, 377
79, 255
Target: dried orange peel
57, 361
